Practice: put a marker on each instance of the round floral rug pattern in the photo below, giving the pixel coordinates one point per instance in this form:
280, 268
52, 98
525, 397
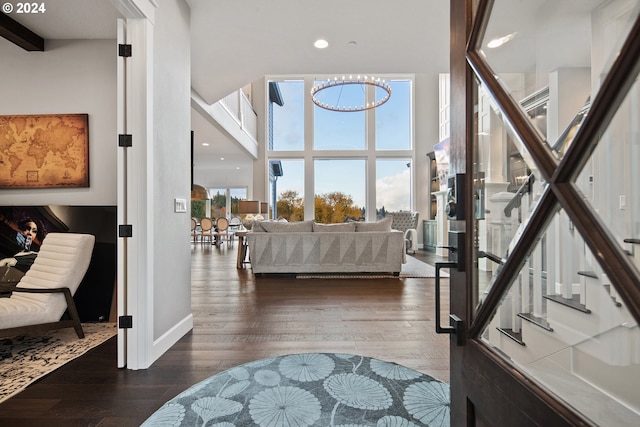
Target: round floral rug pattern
311, 389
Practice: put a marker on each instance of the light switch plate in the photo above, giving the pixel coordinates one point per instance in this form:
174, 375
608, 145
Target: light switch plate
180, 205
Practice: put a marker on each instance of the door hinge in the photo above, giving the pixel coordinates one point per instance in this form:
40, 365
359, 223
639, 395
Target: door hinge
125, 230
125, 140
125, 322
124, 50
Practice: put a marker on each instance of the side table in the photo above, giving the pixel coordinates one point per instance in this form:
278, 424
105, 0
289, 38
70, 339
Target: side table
242, 248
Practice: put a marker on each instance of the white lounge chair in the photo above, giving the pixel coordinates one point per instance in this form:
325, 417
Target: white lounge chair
407, 222
42, 295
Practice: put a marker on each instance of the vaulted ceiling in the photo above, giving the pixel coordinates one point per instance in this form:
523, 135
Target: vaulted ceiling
235, 42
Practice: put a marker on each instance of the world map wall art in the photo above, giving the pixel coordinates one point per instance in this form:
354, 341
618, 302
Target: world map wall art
44, 151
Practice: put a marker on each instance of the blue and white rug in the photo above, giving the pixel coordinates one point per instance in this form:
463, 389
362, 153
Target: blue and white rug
311, 389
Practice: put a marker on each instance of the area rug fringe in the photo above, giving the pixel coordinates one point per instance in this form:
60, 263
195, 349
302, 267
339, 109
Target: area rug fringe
27, 358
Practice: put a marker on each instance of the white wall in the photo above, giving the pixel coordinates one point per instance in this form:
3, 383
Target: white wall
260, 187
70, 76
426, 129
170, 167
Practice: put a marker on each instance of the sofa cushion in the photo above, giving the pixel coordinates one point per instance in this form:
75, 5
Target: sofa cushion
256, 227
382, 225
345, 227
287, 227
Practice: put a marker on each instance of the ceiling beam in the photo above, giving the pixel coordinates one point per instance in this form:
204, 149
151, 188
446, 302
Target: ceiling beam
20, 35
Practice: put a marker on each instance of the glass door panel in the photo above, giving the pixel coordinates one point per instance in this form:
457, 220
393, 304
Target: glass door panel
508, 187
552, 56
568, 329
555, 230
610, 180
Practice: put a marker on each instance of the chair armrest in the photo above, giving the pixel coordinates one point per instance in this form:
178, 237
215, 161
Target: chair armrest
41, 290
66, 291
71, 305
407, 233
8, 286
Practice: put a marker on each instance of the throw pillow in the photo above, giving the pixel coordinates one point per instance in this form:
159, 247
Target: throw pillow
382, 225
345, 227
287, 227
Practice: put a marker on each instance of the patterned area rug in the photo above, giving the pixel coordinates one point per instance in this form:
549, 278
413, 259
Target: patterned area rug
412, 268
416, 268
26, 358
312, 389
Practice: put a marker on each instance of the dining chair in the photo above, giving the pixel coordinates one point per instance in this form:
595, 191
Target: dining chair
194, 230
206, 226
222, 225
235, 223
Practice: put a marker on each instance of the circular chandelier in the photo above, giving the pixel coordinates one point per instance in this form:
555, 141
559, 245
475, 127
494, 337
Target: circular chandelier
362, 81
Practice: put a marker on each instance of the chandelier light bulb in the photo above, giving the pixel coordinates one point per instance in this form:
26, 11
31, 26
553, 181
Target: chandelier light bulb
361, 81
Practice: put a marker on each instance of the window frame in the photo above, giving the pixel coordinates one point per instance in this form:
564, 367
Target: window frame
369, 153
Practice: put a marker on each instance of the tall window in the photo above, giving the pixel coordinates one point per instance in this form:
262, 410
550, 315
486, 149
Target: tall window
393, 186
287, 130
289, 190
225, 200
237, 194
358, 160
340, 190
218, 202
393, 118
335, 130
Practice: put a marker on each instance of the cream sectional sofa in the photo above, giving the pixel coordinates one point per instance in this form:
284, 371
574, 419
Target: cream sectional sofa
307, 247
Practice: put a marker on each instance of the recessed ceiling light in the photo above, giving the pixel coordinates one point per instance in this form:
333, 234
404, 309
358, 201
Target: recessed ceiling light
352, 43
237, 167
221, 158
321, 43
205, 144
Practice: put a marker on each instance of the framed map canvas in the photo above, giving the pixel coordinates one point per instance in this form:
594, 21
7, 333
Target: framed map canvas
44, 151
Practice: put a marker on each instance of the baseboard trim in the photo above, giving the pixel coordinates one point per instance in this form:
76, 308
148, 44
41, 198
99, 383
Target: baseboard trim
169, 338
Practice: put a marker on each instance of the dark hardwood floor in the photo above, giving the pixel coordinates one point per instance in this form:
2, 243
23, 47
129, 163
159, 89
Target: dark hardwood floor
237, 319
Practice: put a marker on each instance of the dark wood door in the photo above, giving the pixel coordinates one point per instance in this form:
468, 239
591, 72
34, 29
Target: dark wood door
549, 296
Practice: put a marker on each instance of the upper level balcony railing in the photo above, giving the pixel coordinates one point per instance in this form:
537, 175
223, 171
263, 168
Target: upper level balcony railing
240, 109
233, 115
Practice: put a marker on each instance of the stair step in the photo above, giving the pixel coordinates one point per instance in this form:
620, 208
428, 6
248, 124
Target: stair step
569, 302
516, 336
538, 321
607, 286
591, 274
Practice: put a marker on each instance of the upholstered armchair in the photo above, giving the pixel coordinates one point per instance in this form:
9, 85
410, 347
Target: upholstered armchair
46, 291
407, 222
